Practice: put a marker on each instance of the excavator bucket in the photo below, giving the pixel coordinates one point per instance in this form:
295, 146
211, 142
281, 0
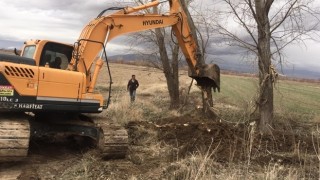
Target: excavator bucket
208, 76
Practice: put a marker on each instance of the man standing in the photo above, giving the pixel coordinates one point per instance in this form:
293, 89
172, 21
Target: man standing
133, 84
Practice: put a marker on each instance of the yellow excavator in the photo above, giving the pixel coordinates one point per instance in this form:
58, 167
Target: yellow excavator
48, 87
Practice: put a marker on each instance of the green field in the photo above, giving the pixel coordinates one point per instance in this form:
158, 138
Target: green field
292, 99
297, 98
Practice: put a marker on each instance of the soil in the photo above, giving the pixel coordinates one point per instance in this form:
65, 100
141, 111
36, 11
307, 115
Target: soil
154, 146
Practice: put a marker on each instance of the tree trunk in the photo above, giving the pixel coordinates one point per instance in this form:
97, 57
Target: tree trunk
171, 72
175, 99
265, 100
207, 101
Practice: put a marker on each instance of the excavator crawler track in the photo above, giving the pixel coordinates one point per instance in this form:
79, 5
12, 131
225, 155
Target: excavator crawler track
17, 129
110, 139
14, 138
113, 141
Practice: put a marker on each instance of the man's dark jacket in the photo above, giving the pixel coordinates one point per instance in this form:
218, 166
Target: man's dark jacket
133, 85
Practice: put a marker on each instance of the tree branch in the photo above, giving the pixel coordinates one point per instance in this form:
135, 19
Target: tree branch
242, 22
268, 4
285, 17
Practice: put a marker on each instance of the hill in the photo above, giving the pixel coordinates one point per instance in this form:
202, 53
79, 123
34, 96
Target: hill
229, 65
7, 44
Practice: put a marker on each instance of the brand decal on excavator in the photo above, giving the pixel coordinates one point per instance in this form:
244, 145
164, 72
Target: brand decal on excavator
6, 91
28, 106
152, 22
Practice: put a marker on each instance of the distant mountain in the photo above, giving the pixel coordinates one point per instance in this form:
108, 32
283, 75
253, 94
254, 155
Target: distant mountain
235, 66
7, 44
243, 67
302, 73
131, 57
125, 57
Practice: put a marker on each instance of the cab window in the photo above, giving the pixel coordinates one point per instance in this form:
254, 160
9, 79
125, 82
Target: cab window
56, 60
29, 51
56, 55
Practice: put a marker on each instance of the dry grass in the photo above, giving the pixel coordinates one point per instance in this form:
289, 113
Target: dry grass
295, 100
152, 99
150, 157
234, 104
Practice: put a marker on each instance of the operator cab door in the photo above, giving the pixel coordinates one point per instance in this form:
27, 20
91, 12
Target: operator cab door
58, 88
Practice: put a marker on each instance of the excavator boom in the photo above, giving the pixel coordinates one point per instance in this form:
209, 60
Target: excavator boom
105, 28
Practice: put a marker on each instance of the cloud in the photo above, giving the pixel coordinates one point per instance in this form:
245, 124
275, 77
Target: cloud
47, 19
63, 21
305, 57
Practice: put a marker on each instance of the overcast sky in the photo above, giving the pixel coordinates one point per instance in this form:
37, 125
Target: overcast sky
63, 21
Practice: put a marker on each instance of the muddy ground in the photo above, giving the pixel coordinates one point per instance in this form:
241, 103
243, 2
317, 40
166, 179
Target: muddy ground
156, 147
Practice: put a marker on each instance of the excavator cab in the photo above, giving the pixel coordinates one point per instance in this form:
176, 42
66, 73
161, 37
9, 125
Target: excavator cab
48, 52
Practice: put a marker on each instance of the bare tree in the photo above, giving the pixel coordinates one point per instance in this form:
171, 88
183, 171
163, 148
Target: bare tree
169, 54
170, 70
163, 47
269, 27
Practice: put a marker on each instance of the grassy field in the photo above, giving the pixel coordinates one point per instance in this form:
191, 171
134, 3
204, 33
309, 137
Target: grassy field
299, 99
292, 99
291, 157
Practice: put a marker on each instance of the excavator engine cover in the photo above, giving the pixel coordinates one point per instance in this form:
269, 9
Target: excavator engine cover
208, 76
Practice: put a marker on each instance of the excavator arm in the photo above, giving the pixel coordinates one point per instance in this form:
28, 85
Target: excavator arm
103, 29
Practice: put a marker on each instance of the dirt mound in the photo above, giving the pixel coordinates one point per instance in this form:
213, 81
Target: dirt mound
231, 142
